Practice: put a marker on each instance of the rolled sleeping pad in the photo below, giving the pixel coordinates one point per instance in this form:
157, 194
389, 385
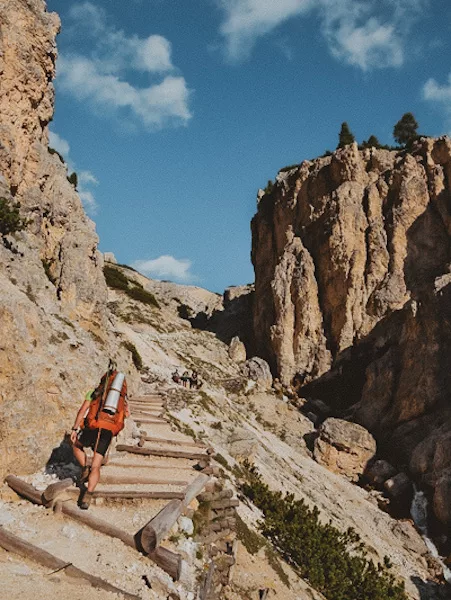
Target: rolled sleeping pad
114, 393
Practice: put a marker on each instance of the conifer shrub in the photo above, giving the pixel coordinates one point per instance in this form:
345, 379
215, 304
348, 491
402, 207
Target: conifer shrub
115, 279
334, 562
10, 219
142, 295
136, 356
73, 179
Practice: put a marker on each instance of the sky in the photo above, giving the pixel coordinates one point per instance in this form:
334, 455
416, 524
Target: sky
174, 113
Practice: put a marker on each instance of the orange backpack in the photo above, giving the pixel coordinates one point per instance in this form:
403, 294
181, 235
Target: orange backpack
97, 417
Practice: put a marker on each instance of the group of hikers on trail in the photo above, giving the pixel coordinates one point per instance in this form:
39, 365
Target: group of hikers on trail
99, 418
189, 381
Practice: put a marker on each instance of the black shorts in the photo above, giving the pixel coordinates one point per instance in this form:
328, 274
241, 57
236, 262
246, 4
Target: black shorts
88, 438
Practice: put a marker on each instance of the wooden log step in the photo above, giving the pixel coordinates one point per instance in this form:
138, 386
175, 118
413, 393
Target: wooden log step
133, 494
146, 464
148, 397
174, 442
219, 504
157, 452
139, 480
153, 415
157, 409
15, 544
150, 421
24, 489
211, 496
158, 528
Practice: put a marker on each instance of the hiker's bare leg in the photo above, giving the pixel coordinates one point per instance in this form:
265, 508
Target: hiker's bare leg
80, 455
94, 475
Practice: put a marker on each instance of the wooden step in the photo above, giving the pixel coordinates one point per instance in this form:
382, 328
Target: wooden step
124, 494
138, 480
150, 421
157, 452
152, 414
145, 467
173, 442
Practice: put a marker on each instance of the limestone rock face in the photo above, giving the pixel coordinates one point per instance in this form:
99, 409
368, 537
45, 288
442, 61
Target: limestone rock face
53, 344
344, 447
353, 293
340, 243
63, 237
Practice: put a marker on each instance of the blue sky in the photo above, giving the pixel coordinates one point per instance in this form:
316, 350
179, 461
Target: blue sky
175, 112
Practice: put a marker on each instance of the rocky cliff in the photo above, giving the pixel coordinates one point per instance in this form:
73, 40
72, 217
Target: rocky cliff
53, 343
353, 297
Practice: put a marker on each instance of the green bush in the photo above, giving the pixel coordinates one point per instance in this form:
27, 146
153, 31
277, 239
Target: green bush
117, 280
136, 356
114, 278
142, 295
53, 151
334, 562
73, 179
10, 219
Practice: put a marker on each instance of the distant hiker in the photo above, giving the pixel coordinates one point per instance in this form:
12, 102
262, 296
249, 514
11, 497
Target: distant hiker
195, 382
186, 379
176, 376
101, 416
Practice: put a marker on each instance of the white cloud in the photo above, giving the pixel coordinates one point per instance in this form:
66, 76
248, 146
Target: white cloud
102, 77
59, 144
368, 34
247, 20
85, 178
441, 94
166, 267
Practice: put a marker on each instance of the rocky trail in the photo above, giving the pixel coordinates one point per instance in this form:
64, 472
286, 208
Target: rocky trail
145, 489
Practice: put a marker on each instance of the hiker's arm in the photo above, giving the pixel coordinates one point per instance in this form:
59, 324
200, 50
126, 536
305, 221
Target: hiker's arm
78, 419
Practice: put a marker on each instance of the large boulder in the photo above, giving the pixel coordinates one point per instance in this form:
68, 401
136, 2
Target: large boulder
344, 448
257, 370
237, 350
442, 495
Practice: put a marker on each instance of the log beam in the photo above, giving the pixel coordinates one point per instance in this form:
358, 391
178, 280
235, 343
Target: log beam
15, 544
157, 452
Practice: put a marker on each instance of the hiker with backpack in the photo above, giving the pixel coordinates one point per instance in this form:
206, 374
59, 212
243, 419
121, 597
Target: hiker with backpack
101, 416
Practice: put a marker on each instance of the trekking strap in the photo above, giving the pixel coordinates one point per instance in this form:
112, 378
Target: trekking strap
97, 440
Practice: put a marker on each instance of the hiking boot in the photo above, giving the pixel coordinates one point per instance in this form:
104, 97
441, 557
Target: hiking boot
86, 500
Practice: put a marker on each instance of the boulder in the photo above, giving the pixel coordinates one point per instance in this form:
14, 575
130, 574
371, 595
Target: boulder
344, 448
379, 471
237, 350
442, 495
398, 486
256, 369
243, 445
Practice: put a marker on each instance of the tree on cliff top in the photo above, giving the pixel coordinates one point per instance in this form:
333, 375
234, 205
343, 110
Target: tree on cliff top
405, 130
345, 137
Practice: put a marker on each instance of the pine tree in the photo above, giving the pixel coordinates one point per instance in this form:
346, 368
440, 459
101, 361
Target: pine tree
371, 142
405, 130
345, 137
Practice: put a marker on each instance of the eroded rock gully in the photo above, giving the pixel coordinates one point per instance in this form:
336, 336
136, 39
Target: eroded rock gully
353, 297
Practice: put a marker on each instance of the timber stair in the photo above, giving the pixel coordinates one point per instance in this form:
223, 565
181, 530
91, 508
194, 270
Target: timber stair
158, 473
